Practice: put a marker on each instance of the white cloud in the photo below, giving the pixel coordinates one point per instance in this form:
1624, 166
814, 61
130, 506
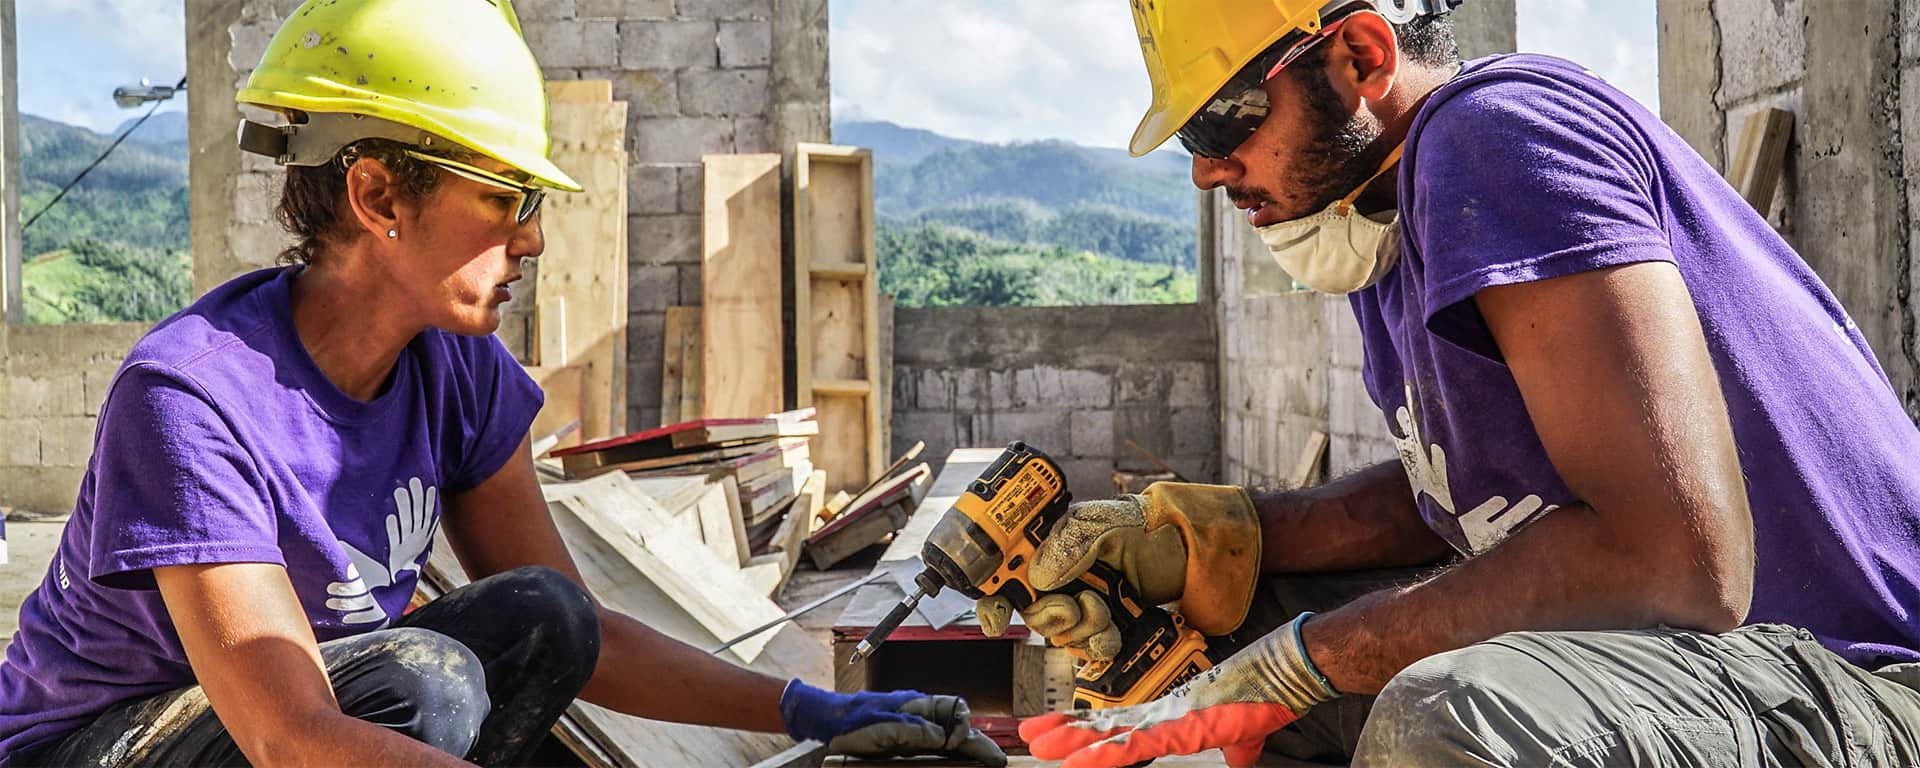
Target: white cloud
993, 70
999, 70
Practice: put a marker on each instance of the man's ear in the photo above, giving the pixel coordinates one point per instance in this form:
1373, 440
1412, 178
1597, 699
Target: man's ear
1366, 59
373, 191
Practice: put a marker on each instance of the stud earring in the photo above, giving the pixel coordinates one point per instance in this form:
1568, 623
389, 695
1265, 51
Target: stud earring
393, 234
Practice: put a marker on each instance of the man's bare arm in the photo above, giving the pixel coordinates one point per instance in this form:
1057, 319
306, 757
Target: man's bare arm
1365, 520
1614, 369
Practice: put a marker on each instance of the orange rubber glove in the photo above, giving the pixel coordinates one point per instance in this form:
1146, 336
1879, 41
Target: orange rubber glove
1232, 707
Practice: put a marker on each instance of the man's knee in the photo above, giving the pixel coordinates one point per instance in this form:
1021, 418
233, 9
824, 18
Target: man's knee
421, 683
1452, 708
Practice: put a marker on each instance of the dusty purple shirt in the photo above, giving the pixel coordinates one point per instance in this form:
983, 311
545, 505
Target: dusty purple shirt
1526, 168
221, 442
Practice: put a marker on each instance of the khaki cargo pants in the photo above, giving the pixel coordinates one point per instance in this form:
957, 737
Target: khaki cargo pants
1761, 695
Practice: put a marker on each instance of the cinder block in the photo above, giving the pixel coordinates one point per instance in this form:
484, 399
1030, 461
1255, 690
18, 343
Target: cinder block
723, 91
574, 42
20, 442
647, 92
250, 43
652, 288
726, 9
1142, 385
1042, 428
1192, 385
66, 441
692, 189
669, 44
624, 10
653, 189
1763, 46
679, 139
97, 383
1001, 393
1090, 478
1149, 428
1196, 432
937, 428
692, 290
545, 10
933, 390
668, 239
746, 43
255, 195
970, 390
1085, 389
1091, 433
753, 134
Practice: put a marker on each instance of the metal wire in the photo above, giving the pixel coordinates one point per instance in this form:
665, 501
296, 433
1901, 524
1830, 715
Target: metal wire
98, 160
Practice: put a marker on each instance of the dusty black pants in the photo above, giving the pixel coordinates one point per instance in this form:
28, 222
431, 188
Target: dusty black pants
482, 673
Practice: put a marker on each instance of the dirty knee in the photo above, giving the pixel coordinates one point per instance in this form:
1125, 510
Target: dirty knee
553, 607
435, 689
1446, 709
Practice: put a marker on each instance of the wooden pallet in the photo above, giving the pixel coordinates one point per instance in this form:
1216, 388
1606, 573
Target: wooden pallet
837, 362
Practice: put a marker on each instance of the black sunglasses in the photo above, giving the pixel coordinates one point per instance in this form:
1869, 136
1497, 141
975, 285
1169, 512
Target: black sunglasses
1241, 105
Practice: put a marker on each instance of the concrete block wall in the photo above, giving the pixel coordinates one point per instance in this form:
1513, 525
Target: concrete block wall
1075, 382
52, 381
1850, 73
699, 77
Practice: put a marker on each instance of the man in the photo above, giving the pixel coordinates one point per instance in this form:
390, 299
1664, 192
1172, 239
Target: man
1682, 498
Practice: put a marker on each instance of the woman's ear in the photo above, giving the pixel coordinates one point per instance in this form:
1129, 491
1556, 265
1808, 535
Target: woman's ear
374, 193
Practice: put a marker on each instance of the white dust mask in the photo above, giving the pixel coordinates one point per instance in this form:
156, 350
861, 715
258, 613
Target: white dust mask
1336, 250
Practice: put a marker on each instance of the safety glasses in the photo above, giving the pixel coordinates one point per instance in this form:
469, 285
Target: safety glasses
1241, 105
530, 196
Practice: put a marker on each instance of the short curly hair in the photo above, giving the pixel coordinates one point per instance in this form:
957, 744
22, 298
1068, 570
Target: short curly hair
313, 201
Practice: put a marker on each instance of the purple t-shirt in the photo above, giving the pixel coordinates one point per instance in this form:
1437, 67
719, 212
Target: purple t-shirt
1526, 168
221, 442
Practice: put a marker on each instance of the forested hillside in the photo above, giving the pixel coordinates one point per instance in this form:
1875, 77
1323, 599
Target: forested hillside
116, 247
965, 222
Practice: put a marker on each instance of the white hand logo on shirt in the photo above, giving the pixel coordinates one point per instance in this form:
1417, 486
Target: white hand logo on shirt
1484, 525
409, 534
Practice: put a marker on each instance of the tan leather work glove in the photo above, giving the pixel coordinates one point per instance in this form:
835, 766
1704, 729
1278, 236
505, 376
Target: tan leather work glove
1198, 544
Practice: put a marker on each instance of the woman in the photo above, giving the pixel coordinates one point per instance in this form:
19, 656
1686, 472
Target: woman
271, 463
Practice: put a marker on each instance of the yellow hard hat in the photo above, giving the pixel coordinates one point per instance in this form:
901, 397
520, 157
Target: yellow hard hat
1193, 47
421, 72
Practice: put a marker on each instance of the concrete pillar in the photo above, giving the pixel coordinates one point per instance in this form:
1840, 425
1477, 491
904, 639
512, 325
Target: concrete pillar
212, 118
1485, 27
1852, 208
800, 90
11, 259
1690, 76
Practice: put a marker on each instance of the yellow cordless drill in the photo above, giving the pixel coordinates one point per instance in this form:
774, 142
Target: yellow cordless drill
983, 547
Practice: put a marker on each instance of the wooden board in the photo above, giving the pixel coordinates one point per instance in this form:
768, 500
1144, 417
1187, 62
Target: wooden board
582, 278
705, 505
579, 91
565, 386
838, 365
741, 337
685, 437
673, 363
691, 370
1760, 156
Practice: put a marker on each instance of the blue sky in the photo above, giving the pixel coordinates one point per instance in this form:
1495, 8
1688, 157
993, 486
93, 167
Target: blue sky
993, 70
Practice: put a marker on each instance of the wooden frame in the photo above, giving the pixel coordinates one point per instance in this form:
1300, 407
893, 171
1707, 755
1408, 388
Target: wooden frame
1760, 156
837, 361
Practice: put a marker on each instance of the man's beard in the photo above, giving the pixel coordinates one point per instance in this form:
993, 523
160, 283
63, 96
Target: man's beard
1343, 153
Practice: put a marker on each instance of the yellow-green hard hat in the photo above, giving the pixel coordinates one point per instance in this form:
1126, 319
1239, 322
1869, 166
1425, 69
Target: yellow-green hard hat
409, 70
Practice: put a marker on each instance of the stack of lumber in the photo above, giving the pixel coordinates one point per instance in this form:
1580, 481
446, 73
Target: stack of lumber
744, 489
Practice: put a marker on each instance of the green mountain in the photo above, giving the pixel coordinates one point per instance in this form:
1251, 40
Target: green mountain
116, 247
1021, 206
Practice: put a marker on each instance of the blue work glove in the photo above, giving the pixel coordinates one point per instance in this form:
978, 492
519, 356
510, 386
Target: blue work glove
884, 725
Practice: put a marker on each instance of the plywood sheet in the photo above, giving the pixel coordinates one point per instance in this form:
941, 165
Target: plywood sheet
585, 263
840, 449
742, 341
839, 314
564, 387
673, 362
